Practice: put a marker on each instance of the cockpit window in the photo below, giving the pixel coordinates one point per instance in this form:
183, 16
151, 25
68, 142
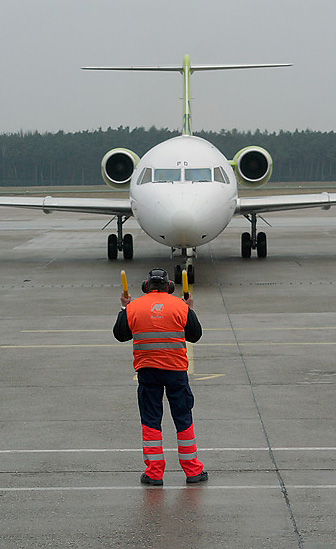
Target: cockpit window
198, 174
164, 175
221, 175
145, 176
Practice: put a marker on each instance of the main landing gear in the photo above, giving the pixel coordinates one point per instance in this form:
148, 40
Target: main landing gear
253, 241
187, 256
119, 242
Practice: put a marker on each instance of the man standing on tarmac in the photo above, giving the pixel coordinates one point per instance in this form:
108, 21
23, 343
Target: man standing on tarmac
160, 324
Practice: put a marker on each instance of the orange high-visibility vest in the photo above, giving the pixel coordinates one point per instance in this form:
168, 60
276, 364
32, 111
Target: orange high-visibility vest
157, 321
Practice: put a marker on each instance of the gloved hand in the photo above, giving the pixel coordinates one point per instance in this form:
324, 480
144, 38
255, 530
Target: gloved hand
189, 301
125, 300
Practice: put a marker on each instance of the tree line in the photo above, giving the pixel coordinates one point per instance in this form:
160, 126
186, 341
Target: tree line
29, 159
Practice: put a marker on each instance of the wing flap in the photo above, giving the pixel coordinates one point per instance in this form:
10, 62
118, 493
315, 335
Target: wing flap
105, 206
262, 204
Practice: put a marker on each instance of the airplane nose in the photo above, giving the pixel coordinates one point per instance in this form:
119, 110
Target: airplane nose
182, 228
182, 221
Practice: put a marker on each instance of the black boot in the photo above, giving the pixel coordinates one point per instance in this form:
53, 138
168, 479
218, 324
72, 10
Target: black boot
202, 477
145, 479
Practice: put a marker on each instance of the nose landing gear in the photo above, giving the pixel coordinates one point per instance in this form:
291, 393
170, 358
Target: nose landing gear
187, 256
253, 241
120, 243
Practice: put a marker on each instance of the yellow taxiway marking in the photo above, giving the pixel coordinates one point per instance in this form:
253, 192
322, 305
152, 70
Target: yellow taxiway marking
202, 377
190, 348
198, 377
190, 354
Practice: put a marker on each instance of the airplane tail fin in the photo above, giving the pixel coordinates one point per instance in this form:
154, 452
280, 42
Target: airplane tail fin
187, 70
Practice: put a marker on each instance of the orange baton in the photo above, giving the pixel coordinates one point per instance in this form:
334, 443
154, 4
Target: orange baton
124, 283
185, 284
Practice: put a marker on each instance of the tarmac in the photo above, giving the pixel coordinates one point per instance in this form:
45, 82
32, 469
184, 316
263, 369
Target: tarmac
263, 376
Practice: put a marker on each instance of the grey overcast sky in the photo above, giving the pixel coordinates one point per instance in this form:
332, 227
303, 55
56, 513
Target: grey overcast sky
45, 42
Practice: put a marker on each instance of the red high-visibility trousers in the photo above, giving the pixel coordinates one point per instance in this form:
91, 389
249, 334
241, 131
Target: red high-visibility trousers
153, 452
187, 452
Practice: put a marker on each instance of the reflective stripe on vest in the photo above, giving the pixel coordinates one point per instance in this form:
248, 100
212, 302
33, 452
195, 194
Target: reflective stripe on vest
157, 322
161, 345
159, 335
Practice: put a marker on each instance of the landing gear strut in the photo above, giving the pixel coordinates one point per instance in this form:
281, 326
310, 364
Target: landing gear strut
187, 255
253, 241
119, 242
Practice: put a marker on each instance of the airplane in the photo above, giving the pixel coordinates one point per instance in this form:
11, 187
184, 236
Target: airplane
184, 191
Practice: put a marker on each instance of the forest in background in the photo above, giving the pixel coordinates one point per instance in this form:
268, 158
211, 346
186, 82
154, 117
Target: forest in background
74, 158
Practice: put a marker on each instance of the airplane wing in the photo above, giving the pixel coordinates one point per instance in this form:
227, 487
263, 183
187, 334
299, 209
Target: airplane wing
49, 204
255, 205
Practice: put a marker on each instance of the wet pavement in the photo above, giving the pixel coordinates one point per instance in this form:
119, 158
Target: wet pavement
263, 376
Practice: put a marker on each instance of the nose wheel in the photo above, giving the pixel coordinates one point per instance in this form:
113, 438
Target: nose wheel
120, 243
187, 256
253, 241
178, 274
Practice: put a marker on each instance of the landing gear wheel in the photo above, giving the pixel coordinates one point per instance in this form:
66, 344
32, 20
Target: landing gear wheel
112, 247
191, 274
246, 245
128, 246
261, 245
177, 274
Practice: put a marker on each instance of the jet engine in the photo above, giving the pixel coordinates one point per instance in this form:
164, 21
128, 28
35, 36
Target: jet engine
253, 166
117, 168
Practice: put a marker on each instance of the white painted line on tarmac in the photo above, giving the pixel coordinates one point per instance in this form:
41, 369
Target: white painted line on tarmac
129, 450
268, 329
137, 488
63, 331
61, 346
265, 343
243, 344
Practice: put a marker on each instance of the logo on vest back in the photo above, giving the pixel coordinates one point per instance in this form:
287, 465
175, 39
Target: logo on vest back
157, 310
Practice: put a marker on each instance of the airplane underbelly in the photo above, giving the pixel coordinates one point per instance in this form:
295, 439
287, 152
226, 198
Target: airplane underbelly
185, 219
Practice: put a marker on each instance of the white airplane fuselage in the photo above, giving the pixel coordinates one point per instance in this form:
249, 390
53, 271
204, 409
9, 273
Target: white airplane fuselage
183, 192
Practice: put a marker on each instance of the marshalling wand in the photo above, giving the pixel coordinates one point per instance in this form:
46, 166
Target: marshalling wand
185, 284
124, 283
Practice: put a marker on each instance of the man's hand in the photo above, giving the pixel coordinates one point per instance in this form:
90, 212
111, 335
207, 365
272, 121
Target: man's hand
189, 301
125, 300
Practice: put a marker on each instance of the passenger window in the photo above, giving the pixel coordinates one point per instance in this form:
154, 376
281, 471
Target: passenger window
198, 174
221, 176
164, 175
145, 176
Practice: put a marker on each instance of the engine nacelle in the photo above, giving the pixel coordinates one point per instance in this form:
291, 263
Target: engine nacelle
117, 168
253, 166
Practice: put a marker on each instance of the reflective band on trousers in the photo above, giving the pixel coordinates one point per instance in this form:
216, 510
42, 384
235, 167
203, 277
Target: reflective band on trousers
186, 442
186, 457
153, 457
161, 345
151, 443
158, 335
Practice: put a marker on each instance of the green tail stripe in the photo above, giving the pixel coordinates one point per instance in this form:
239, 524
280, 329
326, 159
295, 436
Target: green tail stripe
186, 71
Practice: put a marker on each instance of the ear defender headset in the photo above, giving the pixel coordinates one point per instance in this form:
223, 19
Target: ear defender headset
158, 280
